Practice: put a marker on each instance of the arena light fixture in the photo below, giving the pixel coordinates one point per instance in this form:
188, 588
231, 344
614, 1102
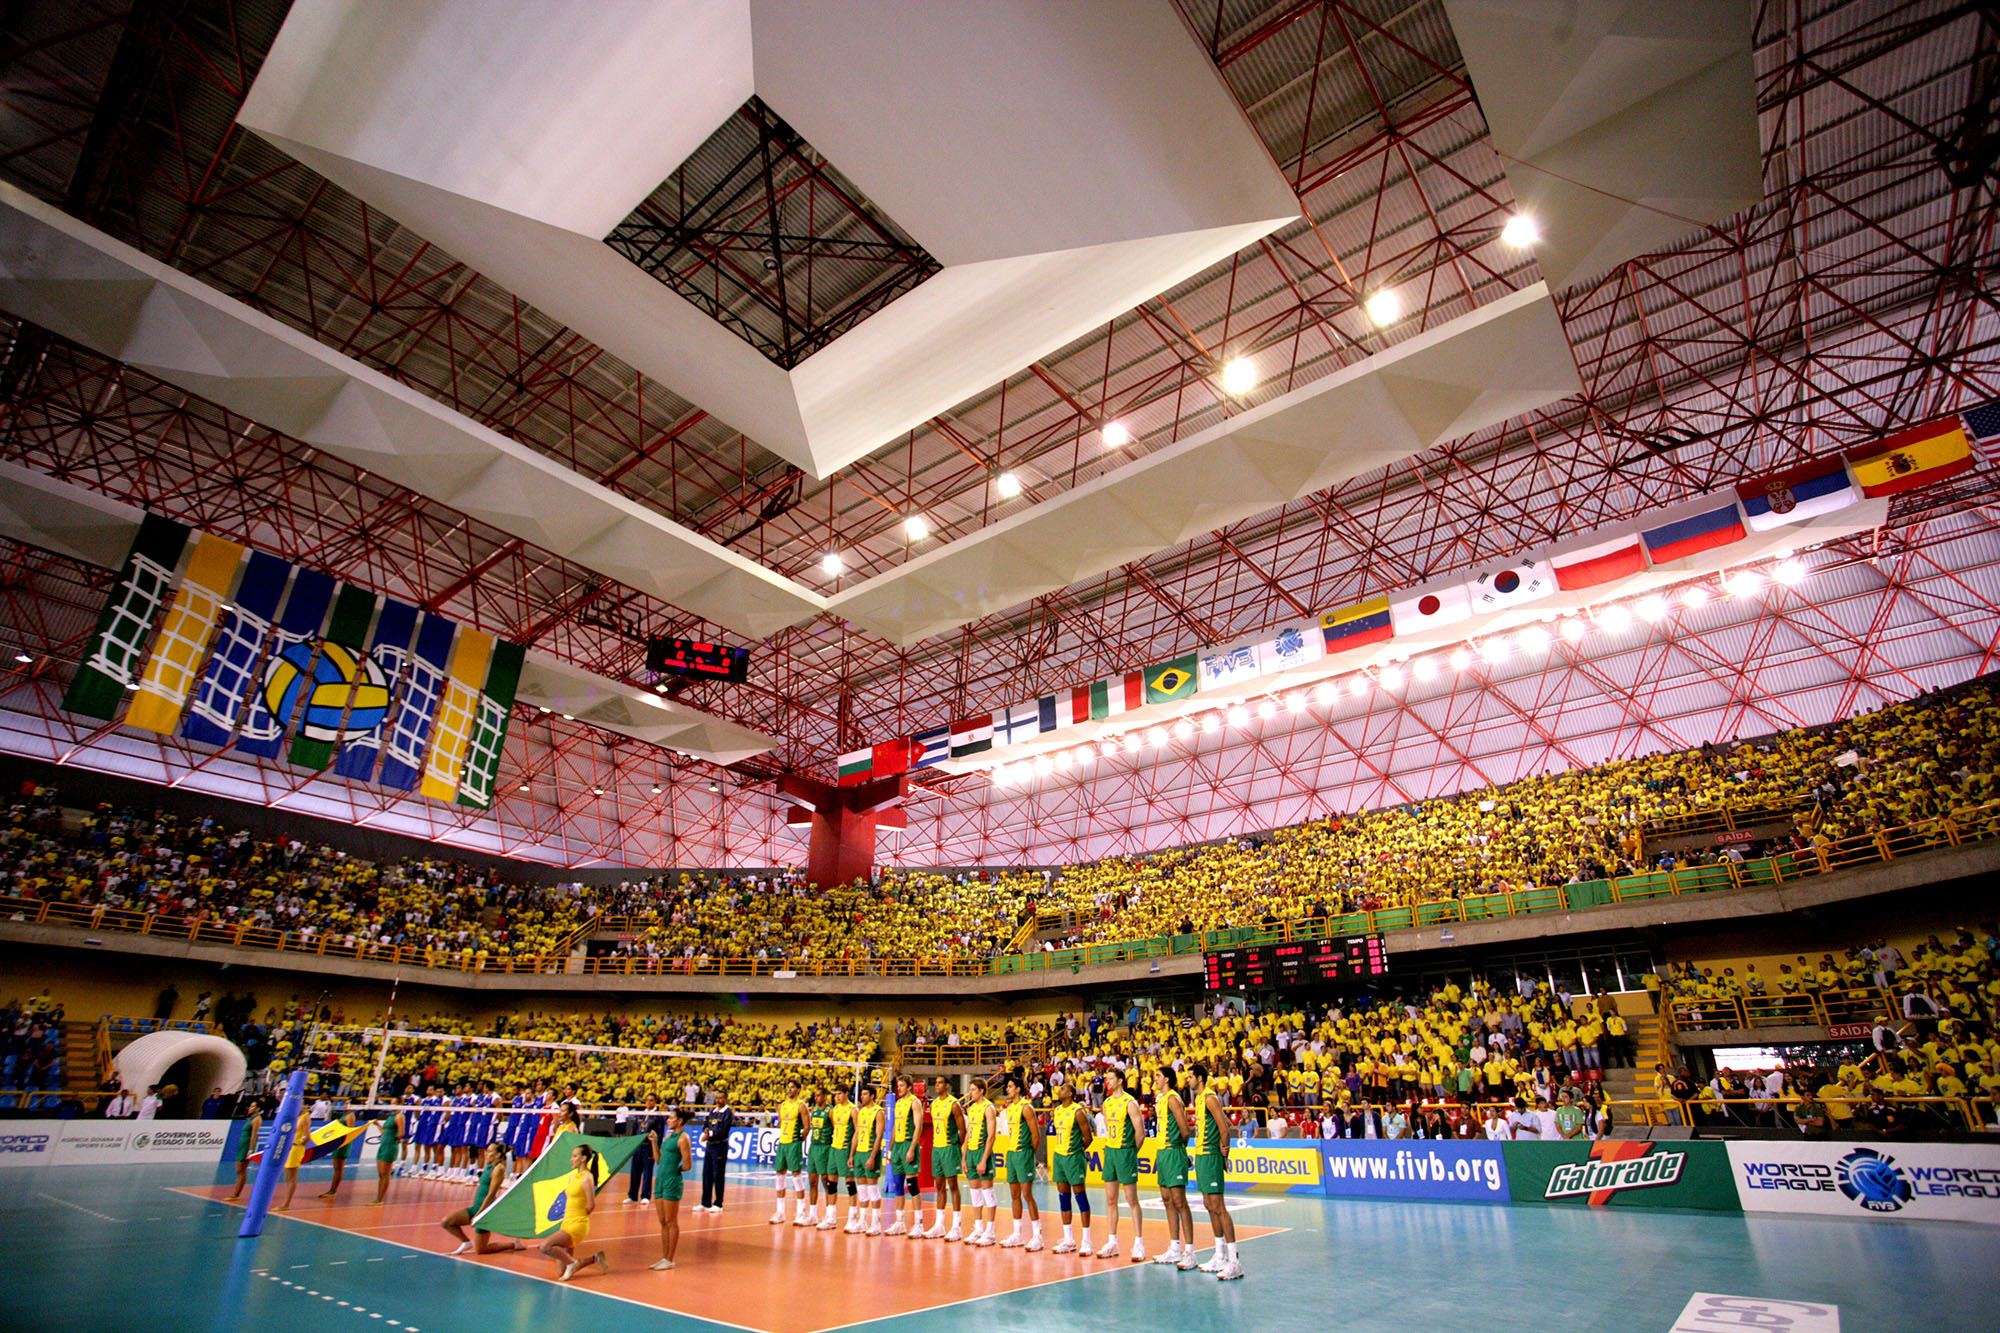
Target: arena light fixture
715, 787
1790, 573
1573, 629
1156, 737
524, 786
656, 789
1533, 639
597, 791
1117, 434
1326, 692
1065, 761
1652, 608
1239, 375
1043, 765
1460, 659
1614, 619
23, 658
1496, 648
1520, 232
1743, 583
1385, 308
1358, 687
1007, 485
916, 528
1211, 721
1694, 596
567, 718
1239, 716
1391, 677
1183, 729
1107, 750
1267, 709
1296, 701
1133, 742
832, 565
1424, 668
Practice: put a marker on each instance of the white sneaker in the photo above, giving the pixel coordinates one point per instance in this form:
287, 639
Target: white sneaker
982, 1240
1168, 1258
1231, 1271
853, 1227
1034, 1244
1187, 1263
465, 1247
895, 1228
918, 1233
1139, 1253
778, 1218
1065, 1247
1013, 1242
1214, 1264
936, 1230
661, 1265
954, 1233
1109, 1250
827, 1225
875, 1229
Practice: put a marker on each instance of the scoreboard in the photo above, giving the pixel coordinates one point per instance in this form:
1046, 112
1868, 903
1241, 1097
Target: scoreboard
1355, 958
703, 661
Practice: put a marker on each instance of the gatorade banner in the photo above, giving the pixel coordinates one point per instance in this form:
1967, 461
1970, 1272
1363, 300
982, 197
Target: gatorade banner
232, 667
1621, 1173
125, 628
1919, 1182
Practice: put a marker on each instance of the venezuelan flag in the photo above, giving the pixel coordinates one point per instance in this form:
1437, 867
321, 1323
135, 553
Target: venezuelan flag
1357, 625
1912, 458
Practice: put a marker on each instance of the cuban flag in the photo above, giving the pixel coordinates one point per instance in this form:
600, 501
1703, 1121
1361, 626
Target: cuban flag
1021, 722
1819, 487
930, 747
1689, 529
1598, 559
1518, 581
1428, 607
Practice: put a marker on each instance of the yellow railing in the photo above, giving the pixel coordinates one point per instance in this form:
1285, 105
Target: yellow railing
1845, 854
1859, 1004
983, 1054
1722, 818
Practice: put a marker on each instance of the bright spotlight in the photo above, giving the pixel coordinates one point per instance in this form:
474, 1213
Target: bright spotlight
1043, 764
1239, 376
1652, 608
1239, 716
1391, 677
1211, 721
1267, 709
1156, 737
1117, 434
1326, 692
1385, 308
1534, 639
1573, 629
1694, 596
831, 564
1520, 232
1743, 583
1007, 485
1065, 761
1495, 649
1789, 572
1183, 729
915, 528
1424, 668
1460, 659
1296, 702
1615, 619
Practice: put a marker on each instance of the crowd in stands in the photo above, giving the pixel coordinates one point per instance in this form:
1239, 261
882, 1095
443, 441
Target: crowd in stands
31, 1045
1925, 760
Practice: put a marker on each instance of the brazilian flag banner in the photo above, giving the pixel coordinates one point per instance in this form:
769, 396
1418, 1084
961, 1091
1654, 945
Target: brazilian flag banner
532, 1207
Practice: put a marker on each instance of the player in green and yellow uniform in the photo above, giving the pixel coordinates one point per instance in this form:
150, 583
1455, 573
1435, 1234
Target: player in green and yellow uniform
789, 1159
840, 1118
1171, 1166
1211, 1164
903, 1166
947, 1133
1024, 1149
1070, 1133
1124, 1131
817, 1153
866, 1159
982, 1160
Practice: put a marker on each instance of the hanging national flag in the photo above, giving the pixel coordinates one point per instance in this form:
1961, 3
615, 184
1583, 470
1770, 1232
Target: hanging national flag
1172, 679
323, 1142
410, 732
1357, 626
388, 657
532, 1207
1819, 487
126, 625
1915, 457
1013, 725
1117, 694
972, 736
232, 668
1982, 423
184, 637
1060, 710
1688, 529
1597, 559
1428, 607
288, 674
855, 766
343, 676
470, 657
489, 729
1514, 583
931, 746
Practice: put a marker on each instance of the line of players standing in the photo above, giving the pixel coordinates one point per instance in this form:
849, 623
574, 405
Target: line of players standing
449, 1132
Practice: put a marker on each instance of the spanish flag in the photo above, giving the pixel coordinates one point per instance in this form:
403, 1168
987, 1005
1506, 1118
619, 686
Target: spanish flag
1912, 458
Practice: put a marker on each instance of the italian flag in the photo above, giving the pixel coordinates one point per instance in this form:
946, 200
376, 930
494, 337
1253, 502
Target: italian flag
1117, 694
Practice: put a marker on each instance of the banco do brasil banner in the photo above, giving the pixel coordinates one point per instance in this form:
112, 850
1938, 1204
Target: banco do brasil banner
1619, 1173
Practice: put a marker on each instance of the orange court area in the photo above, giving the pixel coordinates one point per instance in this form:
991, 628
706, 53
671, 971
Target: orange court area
737, 1268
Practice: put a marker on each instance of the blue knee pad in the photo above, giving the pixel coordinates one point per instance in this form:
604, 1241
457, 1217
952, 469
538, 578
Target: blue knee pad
1083, 1205
1062, 1199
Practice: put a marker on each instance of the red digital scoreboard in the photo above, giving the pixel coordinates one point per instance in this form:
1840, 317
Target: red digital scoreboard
1305, 963
703, 661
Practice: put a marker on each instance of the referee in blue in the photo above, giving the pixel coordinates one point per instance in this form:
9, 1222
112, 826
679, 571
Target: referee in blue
715, 1153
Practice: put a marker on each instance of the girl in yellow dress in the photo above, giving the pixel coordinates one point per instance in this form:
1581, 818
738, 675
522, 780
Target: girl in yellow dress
580, 1197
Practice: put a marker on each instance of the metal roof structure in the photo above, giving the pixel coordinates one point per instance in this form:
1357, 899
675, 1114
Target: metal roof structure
1858, 296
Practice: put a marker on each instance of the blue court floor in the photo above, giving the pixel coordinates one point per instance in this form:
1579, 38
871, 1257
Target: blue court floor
118, 1248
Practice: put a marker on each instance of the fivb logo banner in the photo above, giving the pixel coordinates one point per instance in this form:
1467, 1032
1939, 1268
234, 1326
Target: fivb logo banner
1361, 1169
1918, 1181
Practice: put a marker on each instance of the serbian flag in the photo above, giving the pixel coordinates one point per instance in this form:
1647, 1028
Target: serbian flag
1357, 626
1598, 559
1912, 458
1818, 487
1689, 529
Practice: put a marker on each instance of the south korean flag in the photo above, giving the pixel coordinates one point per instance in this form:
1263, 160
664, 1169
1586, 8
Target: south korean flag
1521, 580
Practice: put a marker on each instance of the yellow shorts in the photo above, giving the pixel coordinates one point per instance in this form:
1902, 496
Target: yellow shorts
577, 1227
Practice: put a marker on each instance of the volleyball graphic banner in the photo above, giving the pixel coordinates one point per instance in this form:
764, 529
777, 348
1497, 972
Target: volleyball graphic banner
470, 657
294, 649
388, 654
341, 680
183, 643
410, 733
232, 666
126, 626
489, 728
535, 1204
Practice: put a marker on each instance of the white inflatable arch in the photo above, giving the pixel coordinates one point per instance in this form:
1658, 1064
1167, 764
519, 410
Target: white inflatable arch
214, 1065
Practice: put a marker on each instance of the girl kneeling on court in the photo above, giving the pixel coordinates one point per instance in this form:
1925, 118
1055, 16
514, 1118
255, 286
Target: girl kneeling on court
492, 1172
676, 1157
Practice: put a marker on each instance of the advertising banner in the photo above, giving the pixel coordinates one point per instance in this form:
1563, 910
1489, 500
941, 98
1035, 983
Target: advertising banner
107, 1142
1621, 1173
1258, 1168
1958, 1182
1447, 1169
748, 1144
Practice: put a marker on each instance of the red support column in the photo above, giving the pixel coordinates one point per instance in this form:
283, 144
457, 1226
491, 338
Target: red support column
841, 848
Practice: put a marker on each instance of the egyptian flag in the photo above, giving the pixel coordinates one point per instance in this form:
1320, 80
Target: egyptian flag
972, 736
1912, 458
